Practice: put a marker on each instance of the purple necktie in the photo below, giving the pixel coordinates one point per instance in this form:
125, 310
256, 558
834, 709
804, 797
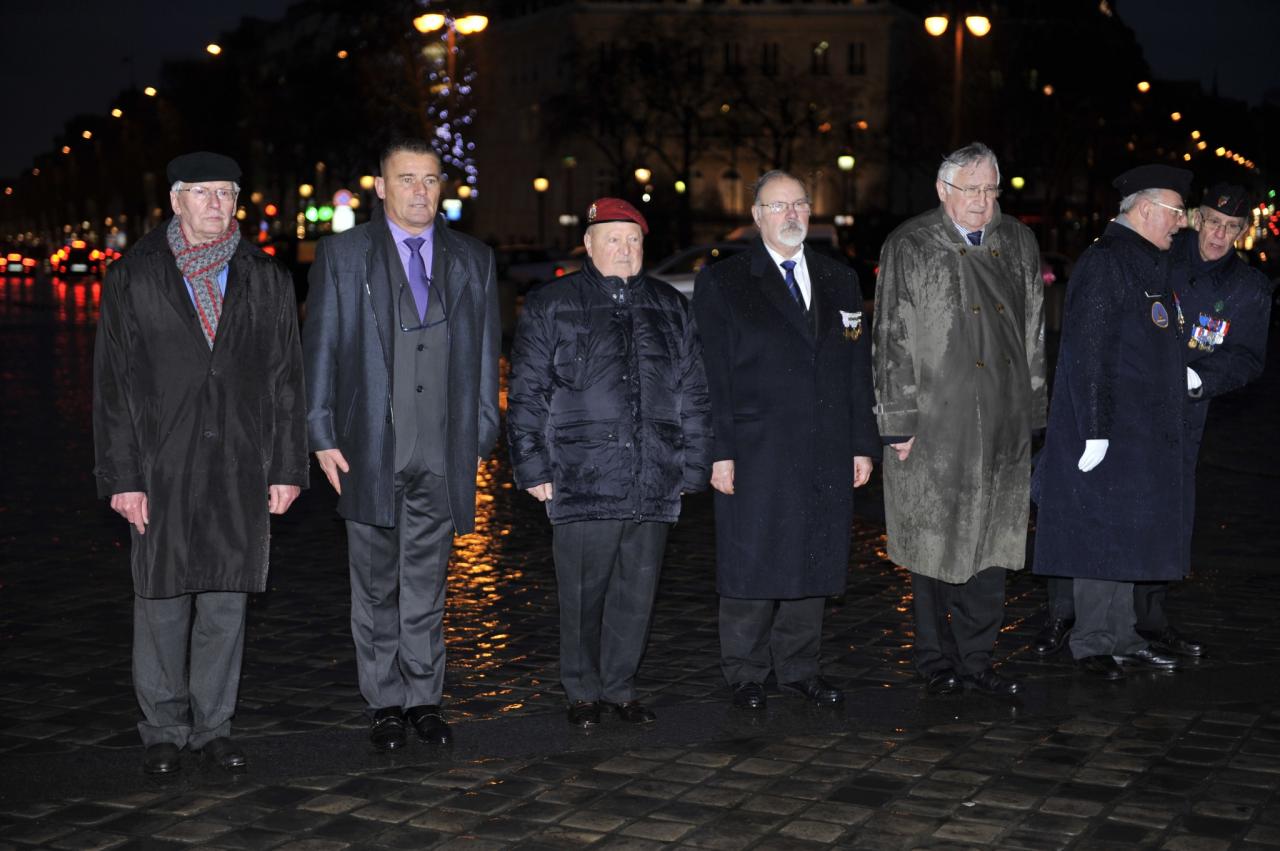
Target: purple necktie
790, 266
974, 237
418, 280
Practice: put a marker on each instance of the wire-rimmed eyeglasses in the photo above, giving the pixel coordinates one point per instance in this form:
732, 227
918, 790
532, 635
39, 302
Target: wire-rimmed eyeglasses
409, 308
204, 193
780, 207
975, 191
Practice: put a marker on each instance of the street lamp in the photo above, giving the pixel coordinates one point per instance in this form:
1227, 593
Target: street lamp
466, 25
213, 49
540, 186
846, 162
451, 112
978, 26
643, 175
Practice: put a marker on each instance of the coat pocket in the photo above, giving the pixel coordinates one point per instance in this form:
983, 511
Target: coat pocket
587, 460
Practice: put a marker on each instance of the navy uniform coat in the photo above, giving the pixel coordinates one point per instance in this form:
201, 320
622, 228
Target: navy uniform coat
1223, 310
608, 399
202, 432
791, 405
1121, 377
349, 352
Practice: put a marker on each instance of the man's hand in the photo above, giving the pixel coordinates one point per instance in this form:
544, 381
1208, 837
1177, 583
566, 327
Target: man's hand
280, 497
132, 506
331, 461
861, 470
903, 449
542, 492
722, 477
1094, 452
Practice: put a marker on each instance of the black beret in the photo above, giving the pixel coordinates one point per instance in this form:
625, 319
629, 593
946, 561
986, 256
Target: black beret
1228, 199
201, 167
1154, 177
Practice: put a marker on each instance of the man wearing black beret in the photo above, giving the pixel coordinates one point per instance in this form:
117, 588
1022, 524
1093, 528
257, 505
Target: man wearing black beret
1222, 307
200, 435
1110, 477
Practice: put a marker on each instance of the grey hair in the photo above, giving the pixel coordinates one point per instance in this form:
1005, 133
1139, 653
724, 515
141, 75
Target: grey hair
1128, 201
177, 185
974, 152
770, 176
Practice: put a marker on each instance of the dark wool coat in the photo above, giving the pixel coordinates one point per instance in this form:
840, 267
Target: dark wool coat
1121, 377
608, 399
203, 433
349, 349
791, 404
959, 365
1225, 291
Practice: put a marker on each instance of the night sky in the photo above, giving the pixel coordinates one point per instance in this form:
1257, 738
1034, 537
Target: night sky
63, 58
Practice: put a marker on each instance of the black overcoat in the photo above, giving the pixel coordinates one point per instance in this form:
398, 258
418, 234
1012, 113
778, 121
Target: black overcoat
1120, 377
1224, 310
608, 399
349, 354
203, 433
791, 403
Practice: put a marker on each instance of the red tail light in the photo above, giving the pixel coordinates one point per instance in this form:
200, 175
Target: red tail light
561, 271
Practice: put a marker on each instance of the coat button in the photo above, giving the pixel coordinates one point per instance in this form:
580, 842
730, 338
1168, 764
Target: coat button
977, 309
419, 388
962, 252
212, 373
628, 444
999, 308
626, 378
209, 433
421, 347
979, 364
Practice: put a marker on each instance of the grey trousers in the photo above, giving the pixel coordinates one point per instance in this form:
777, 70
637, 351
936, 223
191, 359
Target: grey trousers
186, 673
757, 636
398, 593
1148, 603
957, 625
1104, 619
606, 579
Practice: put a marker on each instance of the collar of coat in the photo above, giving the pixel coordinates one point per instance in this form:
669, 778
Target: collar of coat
989, 230
595, 276
1124, 233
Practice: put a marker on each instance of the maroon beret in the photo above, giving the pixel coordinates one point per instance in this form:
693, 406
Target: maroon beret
615, 210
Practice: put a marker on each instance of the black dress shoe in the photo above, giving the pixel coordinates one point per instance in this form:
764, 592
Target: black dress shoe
162, 758
989, 682
225, 754
584, 713
943, 682
1053, 636
1101, 666
428, 722
816, 689
1147, 657
749, 696
387, 730
1172, 641
634, 712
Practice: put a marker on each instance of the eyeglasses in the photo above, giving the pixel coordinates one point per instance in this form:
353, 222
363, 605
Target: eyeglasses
1180, 212
204, 193
409, 308
972, 192
779, 207
1230, 228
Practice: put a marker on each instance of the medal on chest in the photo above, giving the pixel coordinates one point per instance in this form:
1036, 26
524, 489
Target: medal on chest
1208, 332
852, 323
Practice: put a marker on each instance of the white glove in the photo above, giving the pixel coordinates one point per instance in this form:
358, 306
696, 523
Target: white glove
1094, 452
1193, 380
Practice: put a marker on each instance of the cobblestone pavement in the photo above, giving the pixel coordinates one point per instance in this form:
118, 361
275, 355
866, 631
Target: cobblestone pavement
1179, 761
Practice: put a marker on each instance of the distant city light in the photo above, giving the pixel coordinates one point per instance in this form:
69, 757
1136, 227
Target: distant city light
150, 91
213, 49
117, 112
1144, 87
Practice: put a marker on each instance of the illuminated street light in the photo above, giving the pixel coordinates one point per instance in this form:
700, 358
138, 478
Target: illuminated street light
213, 49
978, 26
643, 175
305, 190
366, 182
1048, 90
150, 91
1202, 144
428, 23
1175, 116
845, 162
680, 187
87, 134
1144, 87
1220, 151
471, 24
540, 186
936, 25
66, 149
464, 191
117, 112
1017, 182
342, 54
1195, 134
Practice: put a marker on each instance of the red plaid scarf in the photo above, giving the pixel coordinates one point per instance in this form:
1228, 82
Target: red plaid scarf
201, 264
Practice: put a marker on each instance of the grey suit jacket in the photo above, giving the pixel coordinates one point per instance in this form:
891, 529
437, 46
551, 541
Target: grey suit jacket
348, 353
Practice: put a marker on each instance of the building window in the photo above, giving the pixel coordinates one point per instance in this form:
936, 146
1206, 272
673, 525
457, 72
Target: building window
857, 58
769, 59
819, 58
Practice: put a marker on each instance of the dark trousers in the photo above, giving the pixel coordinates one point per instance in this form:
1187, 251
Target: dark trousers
957, 624
757, 636
398, 593
186, 672
1148, 603
1104, 619
606, 580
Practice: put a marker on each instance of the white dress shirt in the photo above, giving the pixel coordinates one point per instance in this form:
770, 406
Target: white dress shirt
801, 272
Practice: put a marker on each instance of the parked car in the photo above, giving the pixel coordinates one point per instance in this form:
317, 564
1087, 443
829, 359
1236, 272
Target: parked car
17, 262
527, 265
77, 258
680, 269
